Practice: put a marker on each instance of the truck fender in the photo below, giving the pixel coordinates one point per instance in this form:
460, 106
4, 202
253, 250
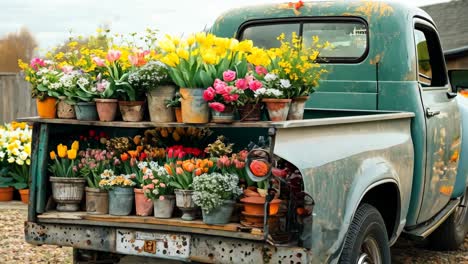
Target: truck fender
372, 173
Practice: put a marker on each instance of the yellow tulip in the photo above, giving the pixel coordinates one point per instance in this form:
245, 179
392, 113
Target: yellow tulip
183, 53
209, 57
52, 155
75, 145
191, 40
62, 150
71, 154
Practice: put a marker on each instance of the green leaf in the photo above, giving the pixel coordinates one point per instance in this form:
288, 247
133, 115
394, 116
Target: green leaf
206, 80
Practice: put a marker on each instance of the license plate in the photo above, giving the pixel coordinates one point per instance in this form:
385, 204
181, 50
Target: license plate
153, 244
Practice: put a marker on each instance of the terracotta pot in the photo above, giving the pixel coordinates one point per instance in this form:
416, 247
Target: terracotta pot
178, 114
143, 205
6, 194
106, 109
157, 104
47, 108
225, 117
67, 193
278, 109
256, 205
253, 220
97, 201
24, 195
195, 109
250, 112
132, 111
296, 110
65, 110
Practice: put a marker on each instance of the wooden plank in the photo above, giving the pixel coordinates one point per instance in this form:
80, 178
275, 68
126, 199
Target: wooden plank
41, 176
62, 215
232, 227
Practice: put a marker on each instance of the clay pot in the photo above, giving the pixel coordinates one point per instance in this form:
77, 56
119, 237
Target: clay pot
195, 109
278, 109
225, 117
256, 205
250, 112
97, 201
296, 110
65, 110
47, 108
253, 220
143, 205
132, 111
24, 195
6, 194
106, 109
86, 111
178, 114
157, 104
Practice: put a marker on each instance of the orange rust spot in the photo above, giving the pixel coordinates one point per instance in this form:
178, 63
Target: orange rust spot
446, 190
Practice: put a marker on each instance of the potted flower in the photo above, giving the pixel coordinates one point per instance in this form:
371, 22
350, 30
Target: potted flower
93, 162
80, 91
120, 192
6, 184
175, 104
154, 78
67, 185
223, 98
15, 158
183, 173
216, 194
157, 187
195, 63
297, 68
44, 80
106, 102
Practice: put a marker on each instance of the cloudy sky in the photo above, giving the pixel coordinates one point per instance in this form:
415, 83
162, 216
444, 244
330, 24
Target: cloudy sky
51, 20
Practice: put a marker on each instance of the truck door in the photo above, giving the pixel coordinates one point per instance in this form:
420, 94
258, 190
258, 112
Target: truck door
442, 122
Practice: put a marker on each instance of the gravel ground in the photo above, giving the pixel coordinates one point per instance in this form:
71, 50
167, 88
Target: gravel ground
14, 250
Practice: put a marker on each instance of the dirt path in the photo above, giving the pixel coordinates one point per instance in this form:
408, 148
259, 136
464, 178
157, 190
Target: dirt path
14, 250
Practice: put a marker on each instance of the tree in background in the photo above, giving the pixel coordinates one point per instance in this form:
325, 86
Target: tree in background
16, 46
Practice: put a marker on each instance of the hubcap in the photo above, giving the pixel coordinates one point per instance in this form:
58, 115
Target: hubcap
461, 211
370, 253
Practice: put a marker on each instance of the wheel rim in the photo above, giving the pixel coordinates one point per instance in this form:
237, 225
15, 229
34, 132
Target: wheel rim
370, 252
461, 211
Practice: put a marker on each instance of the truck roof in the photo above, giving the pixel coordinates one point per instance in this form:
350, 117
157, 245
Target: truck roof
372, 11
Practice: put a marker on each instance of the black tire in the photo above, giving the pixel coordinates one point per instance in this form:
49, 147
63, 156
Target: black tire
367, 228
451, 234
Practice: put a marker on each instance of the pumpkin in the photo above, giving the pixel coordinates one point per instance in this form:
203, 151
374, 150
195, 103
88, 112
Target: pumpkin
259, 168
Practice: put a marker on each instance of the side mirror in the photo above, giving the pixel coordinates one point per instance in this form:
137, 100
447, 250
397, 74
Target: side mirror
258, 165
458, 80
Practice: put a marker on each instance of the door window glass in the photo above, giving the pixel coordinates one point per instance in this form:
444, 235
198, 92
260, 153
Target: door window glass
424, 62
264, 36
431, 63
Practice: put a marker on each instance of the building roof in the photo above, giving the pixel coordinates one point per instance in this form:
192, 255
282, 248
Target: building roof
451, 19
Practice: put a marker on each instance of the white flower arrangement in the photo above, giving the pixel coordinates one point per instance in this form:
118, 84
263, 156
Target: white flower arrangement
149, 76
268, 93
211, 190
15, 144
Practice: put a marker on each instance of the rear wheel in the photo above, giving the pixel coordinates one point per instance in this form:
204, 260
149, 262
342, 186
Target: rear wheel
366, 241
451, 234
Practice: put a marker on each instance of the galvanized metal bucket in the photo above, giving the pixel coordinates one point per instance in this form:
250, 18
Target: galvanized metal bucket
67, 193
163, 207
121, 201
157, 104
220, 215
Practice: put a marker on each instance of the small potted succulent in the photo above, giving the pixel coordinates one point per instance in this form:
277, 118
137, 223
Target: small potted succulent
216, 194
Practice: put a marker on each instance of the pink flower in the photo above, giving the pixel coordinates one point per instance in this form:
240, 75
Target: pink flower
161, 198
150, 186
209, 94
145, 177
162, 185
113, 55
67, 69
155, 181
229, 76
139, 58
230, 97
223, 162
99, 62
37, 62
255, 85
218, 84
102, 86
218, 107
242, 84
249, 78
260, 70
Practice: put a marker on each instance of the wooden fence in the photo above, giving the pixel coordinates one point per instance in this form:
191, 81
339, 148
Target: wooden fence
15, 98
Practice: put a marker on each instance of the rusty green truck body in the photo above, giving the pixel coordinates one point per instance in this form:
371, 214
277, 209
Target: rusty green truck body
379, 131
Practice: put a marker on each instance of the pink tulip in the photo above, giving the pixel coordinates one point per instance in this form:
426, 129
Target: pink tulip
162, 185
99, 62
161, 198
67, 69
113, 55
229, 76
209, 94
242, 84
255, 85
230, 97
260, 70
218, 107
36, 62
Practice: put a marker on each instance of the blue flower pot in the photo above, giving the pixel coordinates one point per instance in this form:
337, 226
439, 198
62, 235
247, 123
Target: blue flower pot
86, 111
220, 215
121, 201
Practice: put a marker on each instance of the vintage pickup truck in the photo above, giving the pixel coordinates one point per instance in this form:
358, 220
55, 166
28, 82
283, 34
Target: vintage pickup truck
380, 150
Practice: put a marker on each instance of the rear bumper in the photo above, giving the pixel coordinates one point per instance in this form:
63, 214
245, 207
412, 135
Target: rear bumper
168, 245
